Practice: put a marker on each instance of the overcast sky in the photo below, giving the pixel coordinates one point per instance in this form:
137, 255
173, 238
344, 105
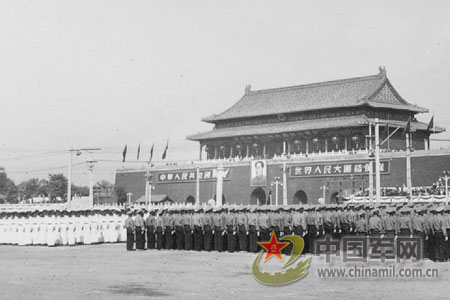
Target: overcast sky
109, 73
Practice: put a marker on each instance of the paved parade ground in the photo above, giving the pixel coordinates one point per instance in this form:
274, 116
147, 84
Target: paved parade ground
109, 272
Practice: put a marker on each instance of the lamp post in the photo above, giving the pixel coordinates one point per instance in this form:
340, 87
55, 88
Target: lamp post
69, 178
316, 143
297, 144
276, 182
129, 194
446, 178
335, 141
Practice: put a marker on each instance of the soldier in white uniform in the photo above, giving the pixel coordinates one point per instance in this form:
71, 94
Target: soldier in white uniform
35, 228
2, 228
51, 229
43, 227
28, 230
21, 229
71, 229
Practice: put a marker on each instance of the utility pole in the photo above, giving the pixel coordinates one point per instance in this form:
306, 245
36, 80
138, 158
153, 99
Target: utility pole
69, 177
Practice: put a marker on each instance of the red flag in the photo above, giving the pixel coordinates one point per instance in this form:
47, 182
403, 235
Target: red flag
431, 124
139, 151
124, 153
165, 150
151, 152
407, 128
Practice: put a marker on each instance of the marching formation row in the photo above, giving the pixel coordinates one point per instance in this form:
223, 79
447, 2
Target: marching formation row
62, 227
240, 228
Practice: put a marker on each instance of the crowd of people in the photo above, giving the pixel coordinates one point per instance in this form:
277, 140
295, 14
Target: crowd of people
62, 227
229, 228
239, 228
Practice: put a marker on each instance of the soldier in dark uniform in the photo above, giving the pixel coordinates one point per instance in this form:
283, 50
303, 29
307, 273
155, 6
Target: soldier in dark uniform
218, 229
404, 223
150, 224
207, 227
242, 227
168, 229
389, 221
298, 222
179, 233
188, 228
197, 220
159, 225
230, 225
447, 225
440, 234
313, 229
275, 220
263, 224
286, 225
375, 224
419, 228
253, 230
140, 230
129, 225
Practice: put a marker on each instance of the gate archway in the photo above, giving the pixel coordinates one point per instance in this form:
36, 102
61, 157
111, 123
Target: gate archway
190, 199
300, 197
258, 196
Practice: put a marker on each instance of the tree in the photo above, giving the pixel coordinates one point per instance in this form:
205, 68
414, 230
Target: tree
12, 192
43, 187
57, 186
80, 190
29, 188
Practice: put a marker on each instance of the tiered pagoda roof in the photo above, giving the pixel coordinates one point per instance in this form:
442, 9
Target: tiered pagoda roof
374, 92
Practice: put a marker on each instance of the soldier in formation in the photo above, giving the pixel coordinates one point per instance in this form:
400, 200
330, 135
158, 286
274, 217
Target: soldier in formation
230, 228
62, 227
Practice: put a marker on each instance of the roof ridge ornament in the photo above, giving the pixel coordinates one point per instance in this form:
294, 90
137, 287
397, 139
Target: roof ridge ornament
382, 70
248, 89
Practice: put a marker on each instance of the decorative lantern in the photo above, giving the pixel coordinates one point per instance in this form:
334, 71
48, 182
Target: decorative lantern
297, 144
315, 140
355, 140
239, 149
255, 145
335, 141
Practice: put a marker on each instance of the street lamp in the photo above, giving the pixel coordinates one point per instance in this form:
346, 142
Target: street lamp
355, 140
446, 178
316, 142
297, 144
69, 181
277, 182
335, 141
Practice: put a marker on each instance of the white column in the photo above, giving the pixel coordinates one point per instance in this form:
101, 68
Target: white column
370, 164
284, 184
284, 147
408, 166
197, 187
219, 185
377, 160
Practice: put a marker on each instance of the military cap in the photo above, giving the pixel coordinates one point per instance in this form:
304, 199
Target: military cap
447, 207
439, 209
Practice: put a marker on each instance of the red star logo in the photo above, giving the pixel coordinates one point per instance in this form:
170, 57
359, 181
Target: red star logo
273, 247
